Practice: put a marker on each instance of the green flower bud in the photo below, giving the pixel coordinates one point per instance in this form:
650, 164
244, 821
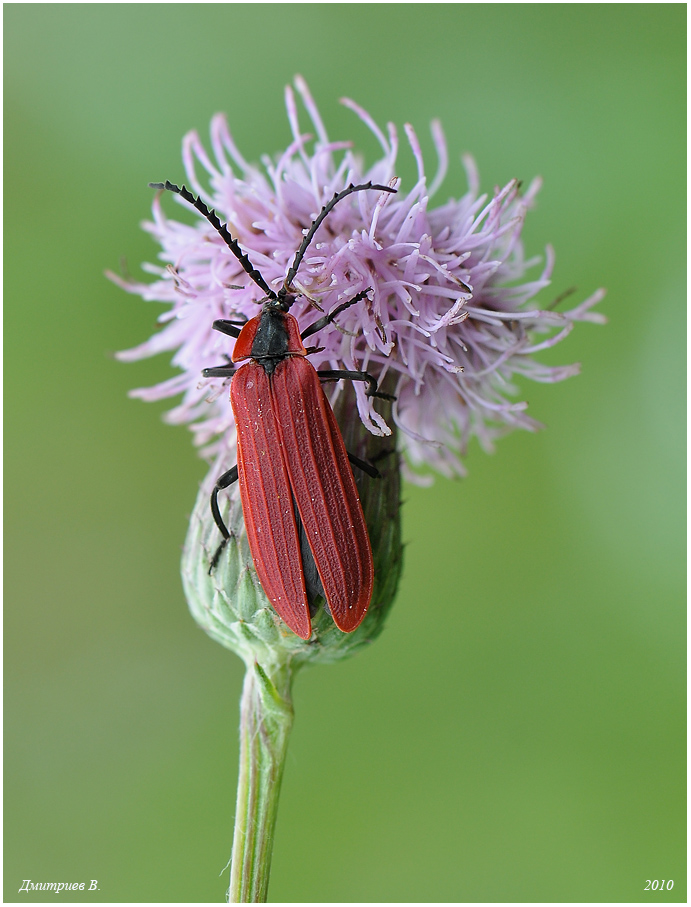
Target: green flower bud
230, 604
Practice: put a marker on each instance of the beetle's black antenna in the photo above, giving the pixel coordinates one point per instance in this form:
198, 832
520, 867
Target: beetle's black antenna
232, 244
309, 236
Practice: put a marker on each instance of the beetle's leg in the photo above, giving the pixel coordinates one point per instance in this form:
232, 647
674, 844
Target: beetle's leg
337, 374
231, 328
327, 319
366, 467
219, 371
228, 478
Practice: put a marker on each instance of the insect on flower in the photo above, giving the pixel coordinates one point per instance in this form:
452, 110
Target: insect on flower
303, 517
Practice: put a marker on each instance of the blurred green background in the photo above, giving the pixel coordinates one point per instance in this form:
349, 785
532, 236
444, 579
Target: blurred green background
517, 734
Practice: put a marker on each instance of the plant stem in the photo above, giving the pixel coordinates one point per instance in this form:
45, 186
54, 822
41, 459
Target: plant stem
266, 717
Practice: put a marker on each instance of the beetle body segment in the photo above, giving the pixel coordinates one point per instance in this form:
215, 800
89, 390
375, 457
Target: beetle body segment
274, 334
267, 501
291, 454
323, 485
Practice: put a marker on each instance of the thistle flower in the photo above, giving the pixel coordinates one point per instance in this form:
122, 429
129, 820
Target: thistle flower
450, 319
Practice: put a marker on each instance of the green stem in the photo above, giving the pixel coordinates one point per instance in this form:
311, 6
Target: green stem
266, 717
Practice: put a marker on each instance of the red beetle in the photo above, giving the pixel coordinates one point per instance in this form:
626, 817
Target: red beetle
303, 517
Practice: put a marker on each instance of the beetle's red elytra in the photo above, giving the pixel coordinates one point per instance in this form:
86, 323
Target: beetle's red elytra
290, 450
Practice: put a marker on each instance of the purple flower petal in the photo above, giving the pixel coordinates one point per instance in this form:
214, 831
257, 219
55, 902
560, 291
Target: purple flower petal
450, 317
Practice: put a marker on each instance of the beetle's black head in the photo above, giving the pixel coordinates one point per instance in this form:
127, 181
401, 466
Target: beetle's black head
285, 298
278, 304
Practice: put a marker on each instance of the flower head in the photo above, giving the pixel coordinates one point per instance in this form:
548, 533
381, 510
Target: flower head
448, 324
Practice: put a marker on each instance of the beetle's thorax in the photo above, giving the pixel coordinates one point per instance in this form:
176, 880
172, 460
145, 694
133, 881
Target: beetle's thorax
270, 337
